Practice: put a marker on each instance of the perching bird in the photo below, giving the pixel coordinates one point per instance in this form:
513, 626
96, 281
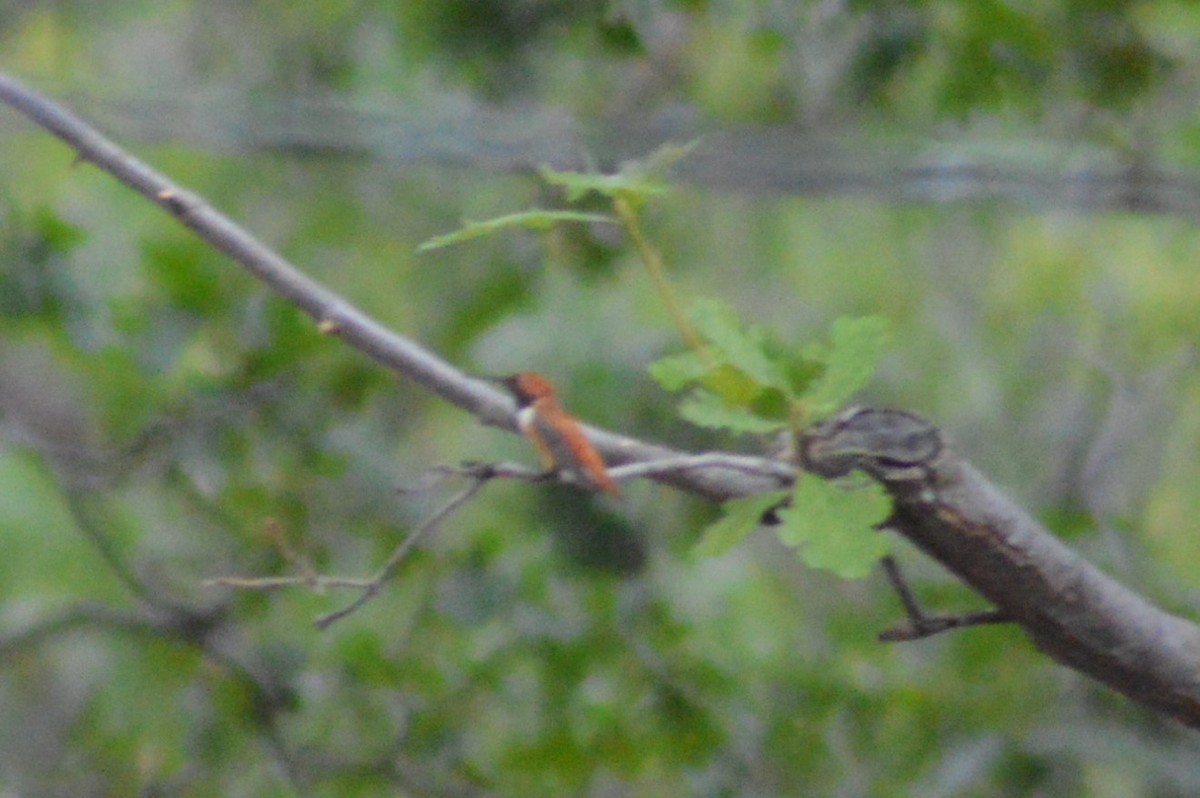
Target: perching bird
556, 433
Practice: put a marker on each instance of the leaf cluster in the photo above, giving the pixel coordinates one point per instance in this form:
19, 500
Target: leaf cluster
745, 380
740, 378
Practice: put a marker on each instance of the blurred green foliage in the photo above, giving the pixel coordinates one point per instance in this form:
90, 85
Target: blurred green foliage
160, 411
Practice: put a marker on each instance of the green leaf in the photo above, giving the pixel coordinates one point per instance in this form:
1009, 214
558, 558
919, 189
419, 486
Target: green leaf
739, 517
834, 527
705, 409
635, 181
535, 219
578, 184
734, 386
801, 368
56, 234
771, 404
674, 372
619, 36
659, 162
741, 347
35, 280
856, 346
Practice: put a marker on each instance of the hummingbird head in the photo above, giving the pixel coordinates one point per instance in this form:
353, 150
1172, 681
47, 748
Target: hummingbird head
528, 387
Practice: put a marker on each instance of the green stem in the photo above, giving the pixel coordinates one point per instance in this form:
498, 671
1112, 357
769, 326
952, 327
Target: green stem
654, 265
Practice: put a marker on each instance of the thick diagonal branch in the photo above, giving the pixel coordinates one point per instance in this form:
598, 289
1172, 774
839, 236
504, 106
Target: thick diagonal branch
1074, 612
336, 316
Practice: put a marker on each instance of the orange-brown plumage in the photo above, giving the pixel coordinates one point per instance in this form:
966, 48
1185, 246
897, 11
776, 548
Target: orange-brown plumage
557, 435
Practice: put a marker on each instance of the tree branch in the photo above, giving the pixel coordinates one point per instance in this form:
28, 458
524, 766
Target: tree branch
335, 316
1073, 612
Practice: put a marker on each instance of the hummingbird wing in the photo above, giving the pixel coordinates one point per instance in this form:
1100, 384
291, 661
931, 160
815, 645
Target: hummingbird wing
561, 440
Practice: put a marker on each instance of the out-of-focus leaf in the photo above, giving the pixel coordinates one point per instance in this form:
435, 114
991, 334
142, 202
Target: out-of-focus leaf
740, 347
678, 371
621, 37
46, 556
179, 267
33, 281
739, 517
635, 182
536, 219
856, 345
578, 185
705, 409
833, 528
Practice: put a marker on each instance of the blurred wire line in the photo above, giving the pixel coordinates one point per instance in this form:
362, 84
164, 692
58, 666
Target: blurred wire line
453, 129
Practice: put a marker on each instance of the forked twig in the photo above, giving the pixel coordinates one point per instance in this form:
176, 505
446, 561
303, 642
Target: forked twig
921, 625
779, 471
479, 474
369, 586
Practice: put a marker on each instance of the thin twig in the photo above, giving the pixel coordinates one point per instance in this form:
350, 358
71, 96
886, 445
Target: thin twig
190, 625
372, 586
480, 472
921, 625
781, 472
315, 582
369, 586
658, 276
776, 470
936, 624
891, 569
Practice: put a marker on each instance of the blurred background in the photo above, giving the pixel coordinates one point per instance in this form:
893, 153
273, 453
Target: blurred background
1013, 184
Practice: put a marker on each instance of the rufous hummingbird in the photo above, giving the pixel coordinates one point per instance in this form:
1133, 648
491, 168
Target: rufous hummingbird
556, 433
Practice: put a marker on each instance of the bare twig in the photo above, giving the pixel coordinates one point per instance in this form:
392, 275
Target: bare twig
922, 625
83, 615
931, 625
188, 627
369, 586
782, 473
481, 472
373, 585
314, 582
779, 472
